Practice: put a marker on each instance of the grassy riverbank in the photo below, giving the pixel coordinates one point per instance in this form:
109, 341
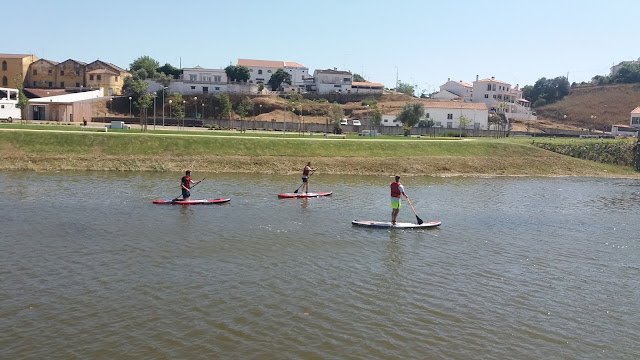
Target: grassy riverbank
74, 150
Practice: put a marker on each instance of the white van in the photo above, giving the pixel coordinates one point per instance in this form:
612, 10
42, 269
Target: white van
9, 104
344, 122
356, 122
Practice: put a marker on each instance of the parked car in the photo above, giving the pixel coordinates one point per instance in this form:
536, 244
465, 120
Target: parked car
344, 122
355, 122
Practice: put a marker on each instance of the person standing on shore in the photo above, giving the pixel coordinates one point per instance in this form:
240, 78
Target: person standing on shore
185, 184
305, 177
397, 190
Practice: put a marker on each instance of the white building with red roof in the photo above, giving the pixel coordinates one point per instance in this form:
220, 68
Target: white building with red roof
502, 97
635, 117
453, 90
261, 71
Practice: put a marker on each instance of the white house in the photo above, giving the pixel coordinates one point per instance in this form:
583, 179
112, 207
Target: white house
332, 81
453, 90
448, 113
195, 81
67, 108
499, 95
261, 71
635, 117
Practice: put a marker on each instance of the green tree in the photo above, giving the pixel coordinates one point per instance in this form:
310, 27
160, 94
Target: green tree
405, 88
178, 108
165, 81
23, 102
375, 115
143, 103
135, 87
410, 115
549, 90
243, 110
237, 73
336, 114
223, 103
463, 121
278, 78
170, 70
358, 78
369, 101
147, 63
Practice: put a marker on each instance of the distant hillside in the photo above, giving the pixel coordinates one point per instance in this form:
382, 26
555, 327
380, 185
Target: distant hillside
610, 104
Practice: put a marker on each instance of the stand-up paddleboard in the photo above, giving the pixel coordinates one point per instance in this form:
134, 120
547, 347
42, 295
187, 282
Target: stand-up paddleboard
193, 202
298, 195
398, 225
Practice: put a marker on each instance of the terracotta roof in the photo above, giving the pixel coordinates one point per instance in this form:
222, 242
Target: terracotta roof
636, 110
114, 67
76, 61
15, 56
102, 71
493, 80
359, 83
45, 60
449, 104
523, 100
330, 71
463, 84
39, 93
268, 63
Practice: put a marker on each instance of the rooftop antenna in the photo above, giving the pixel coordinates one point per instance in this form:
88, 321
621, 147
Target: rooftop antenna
180, 62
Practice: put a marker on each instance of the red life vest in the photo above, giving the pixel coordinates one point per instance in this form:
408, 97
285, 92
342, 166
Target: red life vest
305, 171
395, 189
186, 181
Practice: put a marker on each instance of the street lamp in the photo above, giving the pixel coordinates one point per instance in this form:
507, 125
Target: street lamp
260, 108
284, 128
184, 107
111, 102
368, 119
593, 117
130, 107
195, 102
202, 111
170, 101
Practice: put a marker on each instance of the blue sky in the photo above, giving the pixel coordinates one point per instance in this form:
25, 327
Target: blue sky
425, 42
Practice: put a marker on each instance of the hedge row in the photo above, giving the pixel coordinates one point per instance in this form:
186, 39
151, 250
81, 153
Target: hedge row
616, 153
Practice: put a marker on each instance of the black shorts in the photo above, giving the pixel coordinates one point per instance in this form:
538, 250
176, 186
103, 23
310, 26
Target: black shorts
185, 194
304, 179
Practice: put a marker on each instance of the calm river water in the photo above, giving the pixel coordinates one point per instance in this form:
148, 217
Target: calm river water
521, 268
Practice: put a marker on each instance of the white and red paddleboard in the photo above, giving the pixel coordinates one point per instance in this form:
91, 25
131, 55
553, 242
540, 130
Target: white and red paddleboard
398, 225
302, 195
193, 202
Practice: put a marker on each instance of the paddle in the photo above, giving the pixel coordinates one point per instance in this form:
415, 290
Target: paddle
295, 192
194, 185
414, 211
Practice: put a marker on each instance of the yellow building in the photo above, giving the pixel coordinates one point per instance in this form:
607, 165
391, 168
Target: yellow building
71, 73
14, 67
42, 74
107, 76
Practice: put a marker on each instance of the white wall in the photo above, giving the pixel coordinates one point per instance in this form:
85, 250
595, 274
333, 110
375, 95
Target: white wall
205, 75
444, 95
440, 117
458, 89
69, 98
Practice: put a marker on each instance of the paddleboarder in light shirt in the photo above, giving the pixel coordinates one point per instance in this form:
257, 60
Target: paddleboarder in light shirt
397, 190
305, 177
186, 185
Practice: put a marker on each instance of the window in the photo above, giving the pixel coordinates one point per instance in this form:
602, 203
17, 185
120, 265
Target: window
386, 120
217, 78
346, 80
449, 124
337, 86
62, 84
50, 84
116, 78
193, 88
449, 116
494, 96
77, 73
98, 77
35, 72
438, 123
50, 72
35, 84
4, 81
91, 77
61, 72
635, 121
205, 89
1, 106
269, 71
427, 116
494, 87
476, 126
250, 70
259, 72
489, 87
217, 88
193, 77
77, 84
486, 96
4, 66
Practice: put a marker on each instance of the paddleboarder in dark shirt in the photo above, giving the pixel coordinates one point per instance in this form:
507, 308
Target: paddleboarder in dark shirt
305, 177
185, 184
397, 190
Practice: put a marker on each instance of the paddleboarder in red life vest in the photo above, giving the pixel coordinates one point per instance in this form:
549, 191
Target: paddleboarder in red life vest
305, 177
397, 190
186, 185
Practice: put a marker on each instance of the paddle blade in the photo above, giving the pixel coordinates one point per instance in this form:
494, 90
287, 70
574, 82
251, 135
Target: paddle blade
295, 192
419, 220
